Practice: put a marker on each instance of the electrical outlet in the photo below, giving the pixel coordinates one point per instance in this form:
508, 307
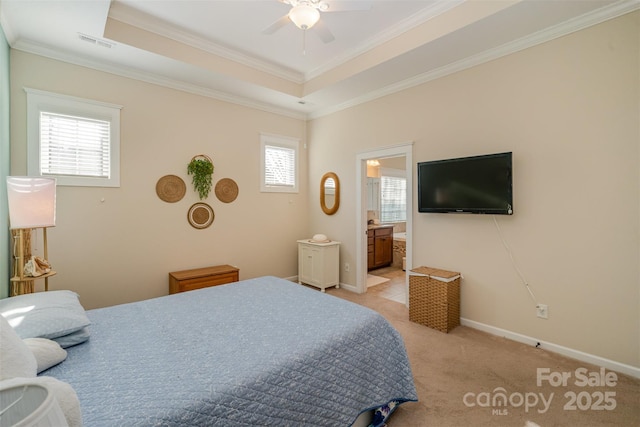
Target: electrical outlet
346, 266
542, 311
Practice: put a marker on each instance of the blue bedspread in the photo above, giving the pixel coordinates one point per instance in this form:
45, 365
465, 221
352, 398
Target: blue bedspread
258, 352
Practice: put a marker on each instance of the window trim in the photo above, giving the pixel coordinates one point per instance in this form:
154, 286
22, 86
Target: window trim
38, 100
285, 142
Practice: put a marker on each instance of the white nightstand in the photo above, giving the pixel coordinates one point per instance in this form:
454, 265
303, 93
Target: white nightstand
319, 263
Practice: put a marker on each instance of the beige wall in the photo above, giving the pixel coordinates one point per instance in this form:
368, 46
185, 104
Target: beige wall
121, 249
569, 111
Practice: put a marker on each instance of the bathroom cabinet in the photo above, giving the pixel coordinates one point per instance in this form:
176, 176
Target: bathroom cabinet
319, 264
379, 247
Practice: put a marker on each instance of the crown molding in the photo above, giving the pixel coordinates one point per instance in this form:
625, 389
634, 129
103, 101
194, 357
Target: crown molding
9, 34
147, 77
573, 25
123, 13
609, 12
403, 26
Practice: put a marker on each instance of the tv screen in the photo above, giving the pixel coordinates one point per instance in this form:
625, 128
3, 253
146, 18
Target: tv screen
478, 184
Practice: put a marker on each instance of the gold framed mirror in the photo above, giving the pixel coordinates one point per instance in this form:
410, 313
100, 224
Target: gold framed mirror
330, 193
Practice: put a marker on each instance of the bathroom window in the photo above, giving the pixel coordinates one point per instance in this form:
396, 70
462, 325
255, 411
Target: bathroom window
393, 197
76, 141
279, 164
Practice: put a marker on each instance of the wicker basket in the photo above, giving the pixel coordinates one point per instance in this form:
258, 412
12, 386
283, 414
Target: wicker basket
434, 298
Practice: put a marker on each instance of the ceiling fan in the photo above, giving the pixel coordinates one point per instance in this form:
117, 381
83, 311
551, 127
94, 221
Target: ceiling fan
305, 14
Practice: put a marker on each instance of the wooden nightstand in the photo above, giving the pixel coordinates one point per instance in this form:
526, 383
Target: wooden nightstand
188, 280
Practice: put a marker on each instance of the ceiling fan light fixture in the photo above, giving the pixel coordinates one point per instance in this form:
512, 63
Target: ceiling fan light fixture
304, 16
320, 5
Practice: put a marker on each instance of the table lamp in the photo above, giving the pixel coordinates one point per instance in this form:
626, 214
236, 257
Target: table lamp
32, 204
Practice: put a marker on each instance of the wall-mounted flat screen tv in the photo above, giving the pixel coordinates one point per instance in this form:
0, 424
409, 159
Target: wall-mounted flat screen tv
478, 184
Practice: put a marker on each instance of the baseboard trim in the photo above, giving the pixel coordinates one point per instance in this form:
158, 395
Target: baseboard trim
565, 351
351, 288
555, 348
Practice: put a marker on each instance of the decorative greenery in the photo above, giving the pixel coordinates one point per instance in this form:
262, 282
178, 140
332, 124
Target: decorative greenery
201, 168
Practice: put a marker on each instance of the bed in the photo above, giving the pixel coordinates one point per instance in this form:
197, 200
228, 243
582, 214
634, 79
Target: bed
263, 351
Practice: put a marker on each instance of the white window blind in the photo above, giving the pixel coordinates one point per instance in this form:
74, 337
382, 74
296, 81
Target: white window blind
280, 166
393, 199
74, 146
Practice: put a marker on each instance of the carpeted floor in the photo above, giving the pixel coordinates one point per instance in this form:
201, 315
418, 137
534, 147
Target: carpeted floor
461, 376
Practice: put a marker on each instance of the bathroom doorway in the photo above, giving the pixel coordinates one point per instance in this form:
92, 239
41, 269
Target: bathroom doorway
386, 225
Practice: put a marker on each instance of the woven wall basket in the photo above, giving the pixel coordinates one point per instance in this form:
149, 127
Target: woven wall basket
200, 215
171, 188
226, 190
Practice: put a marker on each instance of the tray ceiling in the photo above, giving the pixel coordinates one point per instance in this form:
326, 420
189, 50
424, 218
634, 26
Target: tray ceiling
218, 48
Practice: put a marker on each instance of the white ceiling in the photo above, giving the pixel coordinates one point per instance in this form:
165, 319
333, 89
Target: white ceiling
217, 48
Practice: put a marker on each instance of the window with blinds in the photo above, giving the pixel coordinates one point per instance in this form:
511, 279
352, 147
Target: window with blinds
393, 199
77, 141
279, 164
74, 146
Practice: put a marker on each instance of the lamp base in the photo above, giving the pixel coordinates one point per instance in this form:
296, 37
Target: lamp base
20, 286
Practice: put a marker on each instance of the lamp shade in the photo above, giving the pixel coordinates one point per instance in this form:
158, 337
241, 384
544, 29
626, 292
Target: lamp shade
32, 202
304, 16
29, 402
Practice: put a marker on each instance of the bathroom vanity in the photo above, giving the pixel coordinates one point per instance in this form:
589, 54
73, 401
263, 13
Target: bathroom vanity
379, 246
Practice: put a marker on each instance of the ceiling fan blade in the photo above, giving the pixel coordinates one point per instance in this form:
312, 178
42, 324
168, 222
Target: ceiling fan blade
346, 5
276, 25
323, 32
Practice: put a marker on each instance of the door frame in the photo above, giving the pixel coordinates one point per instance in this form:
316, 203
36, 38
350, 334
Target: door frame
400, 150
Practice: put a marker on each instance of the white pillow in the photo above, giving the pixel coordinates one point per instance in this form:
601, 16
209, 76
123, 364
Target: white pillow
48, 353
16, 360
63, 392
49, 314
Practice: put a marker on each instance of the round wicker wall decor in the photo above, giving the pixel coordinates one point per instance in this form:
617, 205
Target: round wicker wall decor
171, 188
226, 190
200, 215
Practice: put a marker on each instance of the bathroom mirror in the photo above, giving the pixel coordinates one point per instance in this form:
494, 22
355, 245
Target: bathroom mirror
330, 193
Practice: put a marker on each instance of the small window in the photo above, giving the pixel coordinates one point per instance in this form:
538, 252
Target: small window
74, 140
279, 164
393, 196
